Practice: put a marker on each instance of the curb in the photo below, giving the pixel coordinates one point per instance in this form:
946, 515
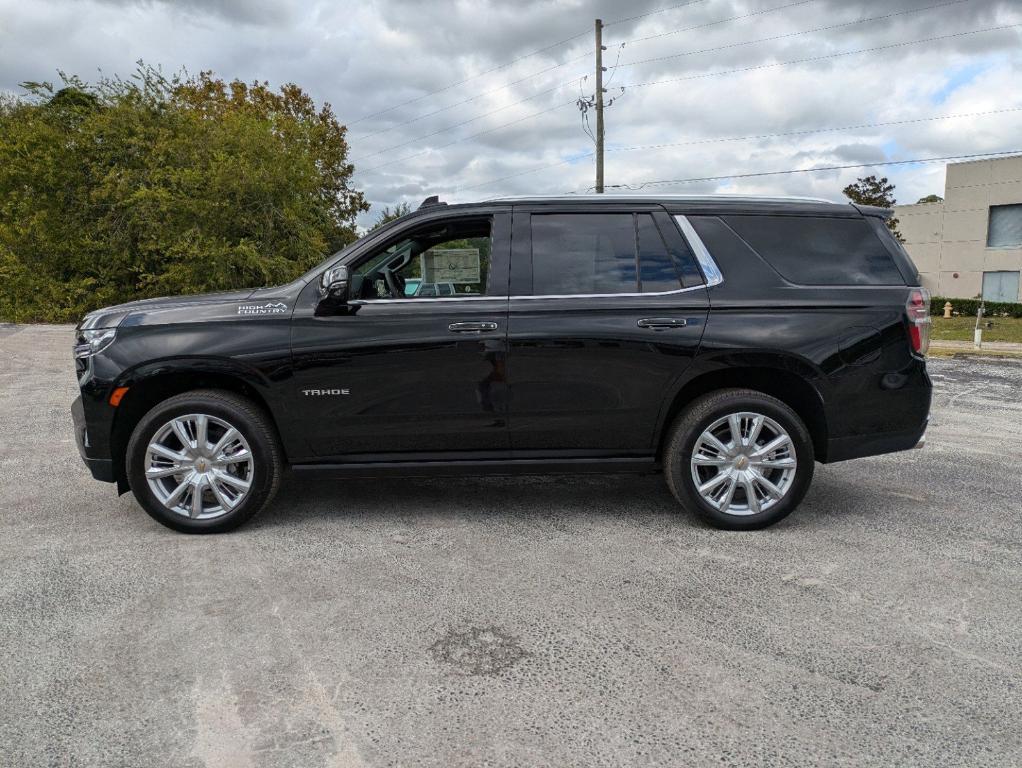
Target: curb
1009, 354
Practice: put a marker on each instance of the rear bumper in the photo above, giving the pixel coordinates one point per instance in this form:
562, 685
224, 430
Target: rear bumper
101, 468
845, 448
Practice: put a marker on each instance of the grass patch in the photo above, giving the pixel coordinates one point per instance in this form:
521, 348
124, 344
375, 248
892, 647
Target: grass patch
961, 328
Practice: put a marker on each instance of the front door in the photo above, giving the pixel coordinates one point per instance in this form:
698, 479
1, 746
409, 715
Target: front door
606, 314
416, 365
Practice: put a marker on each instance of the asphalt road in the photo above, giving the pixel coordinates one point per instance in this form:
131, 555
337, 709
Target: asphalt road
515, 622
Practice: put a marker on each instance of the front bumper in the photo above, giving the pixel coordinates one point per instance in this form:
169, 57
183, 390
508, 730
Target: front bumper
101, 469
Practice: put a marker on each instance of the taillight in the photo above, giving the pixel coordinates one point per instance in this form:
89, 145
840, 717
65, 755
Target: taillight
918, 310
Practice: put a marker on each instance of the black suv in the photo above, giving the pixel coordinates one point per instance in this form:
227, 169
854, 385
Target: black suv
729, 342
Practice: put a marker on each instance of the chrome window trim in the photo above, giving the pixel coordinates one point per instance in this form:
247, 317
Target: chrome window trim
709, 267
609, 295
411, 300
423, 299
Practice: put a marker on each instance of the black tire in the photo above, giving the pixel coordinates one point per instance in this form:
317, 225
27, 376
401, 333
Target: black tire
241, 413
701, 415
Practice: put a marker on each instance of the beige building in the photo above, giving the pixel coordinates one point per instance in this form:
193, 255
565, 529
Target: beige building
970, 244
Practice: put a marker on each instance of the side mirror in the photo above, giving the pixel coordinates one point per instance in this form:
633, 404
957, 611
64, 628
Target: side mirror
333, 290
334, 284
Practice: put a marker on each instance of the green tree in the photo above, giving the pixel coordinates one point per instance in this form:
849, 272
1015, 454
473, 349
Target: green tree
386, 215
930, 199
129, 188
873, 191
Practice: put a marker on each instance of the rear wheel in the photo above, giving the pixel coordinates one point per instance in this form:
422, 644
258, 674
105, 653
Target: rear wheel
739, 459
204, 461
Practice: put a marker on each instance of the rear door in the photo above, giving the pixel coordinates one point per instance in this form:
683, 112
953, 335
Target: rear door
606, 312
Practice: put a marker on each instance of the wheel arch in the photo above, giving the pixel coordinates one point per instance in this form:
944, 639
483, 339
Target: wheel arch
791, 387
148, 387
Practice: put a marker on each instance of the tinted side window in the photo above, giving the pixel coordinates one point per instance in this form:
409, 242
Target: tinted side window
594, 253
443, 258
811, 250
656, 267
583, 253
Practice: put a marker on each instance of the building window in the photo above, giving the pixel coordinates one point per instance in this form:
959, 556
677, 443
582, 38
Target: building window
1005, 230
1000, 286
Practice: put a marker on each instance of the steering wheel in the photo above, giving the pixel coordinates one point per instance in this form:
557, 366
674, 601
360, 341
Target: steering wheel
395, 283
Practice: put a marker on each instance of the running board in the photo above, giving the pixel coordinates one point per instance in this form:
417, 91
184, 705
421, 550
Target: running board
531, 466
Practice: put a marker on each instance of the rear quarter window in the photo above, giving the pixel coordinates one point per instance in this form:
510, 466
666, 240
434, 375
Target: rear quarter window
816, 250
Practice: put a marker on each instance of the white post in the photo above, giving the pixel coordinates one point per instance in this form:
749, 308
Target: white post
977, 336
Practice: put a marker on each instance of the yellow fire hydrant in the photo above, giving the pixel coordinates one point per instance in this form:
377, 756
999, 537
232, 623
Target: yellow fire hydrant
947, 309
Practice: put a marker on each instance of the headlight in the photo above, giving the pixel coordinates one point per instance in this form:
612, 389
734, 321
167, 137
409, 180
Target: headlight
93, 341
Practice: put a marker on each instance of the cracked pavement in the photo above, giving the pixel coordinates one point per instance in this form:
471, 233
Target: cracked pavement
508, 622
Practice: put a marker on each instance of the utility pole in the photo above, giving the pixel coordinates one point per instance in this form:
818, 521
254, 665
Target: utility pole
599, 106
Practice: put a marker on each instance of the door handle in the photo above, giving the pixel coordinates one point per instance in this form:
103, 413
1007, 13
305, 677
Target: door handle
472, 327
663, 322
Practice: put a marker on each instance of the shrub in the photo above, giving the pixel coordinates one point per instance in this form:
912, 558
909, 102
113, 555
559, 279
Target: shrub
968, 307
135, 188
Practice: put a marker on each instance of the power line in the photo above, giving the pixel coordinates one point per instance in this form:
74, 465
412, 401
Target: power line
617, 62
815, 130
584, 105
642, 185
653, 13
500, 88
507, 64
467, 138
478, 96
824, 57
600, 69
497, 68
570, 160
753, 137
537, 73
682, 79
464, 122
721, 21
535, 95
794, 34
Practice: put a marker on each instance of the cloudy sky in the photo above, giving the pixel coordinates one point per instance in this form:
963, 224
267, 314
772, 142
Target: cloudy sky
473, 99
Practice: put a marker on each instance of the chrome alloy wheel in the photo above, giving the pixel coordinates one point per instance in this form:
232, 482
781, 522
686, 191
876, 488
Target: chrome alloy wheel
743, 463
199, 466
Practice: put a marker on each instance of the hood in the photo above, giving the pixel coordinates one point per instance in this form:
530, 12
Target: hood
110, 317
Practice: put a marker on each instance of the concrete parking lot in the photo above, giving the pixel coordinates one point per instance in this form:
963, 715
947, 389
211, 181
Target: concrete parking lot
515, 622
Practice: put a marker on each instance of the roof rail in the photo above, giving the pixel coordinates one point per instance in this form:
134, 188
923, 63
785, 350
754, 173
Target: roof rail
431, 202
664, 198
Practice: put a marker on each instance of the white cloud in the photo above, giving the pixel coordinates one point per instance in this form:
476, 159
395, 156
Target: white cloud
367, 57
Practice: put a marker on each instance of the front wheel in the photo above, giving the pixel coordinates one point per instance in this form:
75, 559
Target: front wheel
739, 459
204, 461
